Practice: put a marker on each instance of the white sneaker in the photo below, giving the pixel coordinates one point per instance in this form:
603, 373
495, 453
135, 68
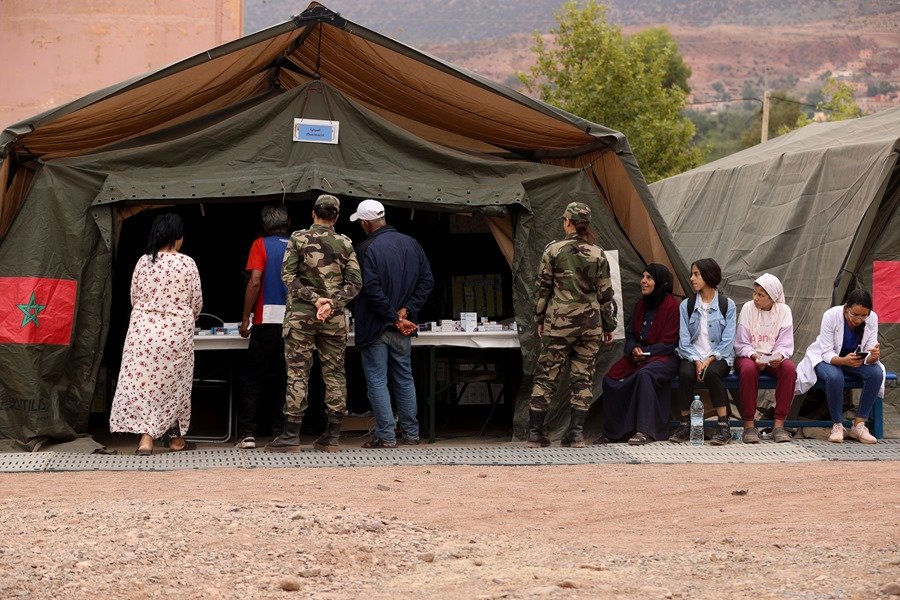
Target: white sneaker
861, 433
837, 433
246, 443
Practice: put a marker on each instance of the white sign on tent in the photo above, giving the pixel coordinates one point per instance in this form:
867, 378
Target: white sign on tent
316, 131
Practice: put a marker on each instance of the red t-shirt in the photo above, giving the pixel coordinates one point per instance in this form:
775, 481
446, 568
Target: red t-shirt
266, 255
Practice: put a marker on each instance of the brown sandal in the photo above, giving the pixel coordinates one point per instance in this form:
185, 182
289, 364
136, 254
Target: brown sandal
639, 439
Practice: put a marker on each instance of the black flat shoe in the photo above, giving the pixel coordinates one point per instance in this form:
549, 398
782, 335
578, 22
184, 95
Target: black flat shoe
187, 446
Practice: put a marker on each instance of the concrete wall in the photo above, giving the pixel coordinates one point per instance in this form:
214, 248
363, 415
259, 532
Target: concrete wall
54, 51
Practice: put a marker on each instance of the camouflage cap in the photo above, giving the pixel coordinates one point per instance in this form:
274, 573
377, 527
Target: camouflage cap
577, 211
328, 200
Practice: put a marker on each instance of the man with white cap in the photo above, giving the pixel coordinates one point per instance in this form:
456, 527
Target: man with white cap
396, 282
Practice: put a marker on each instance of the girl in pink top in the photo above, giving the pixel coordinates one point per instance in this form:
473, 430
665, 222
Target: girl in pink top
764, 343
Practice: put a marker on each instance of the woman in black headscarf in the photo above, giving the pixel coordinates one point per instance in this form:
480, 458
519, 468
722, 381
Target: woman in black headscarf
636, 394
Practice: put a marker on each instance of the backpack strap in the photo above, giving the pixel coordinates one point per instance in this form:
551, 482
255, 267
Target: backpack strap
723, 304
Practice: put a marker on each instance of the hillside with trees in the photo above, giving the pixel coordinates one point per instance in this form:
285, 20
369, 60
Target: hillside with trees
419, 22
733, 50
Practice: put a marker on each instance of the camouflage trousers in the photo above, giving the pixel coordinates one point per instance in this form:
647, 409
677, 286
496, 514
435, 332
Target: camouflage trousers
581, 354
299, 342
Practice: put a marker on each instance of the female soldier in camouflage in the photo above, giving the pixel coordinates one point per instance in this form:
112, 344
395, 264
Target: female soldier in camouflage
573, 311
322, 275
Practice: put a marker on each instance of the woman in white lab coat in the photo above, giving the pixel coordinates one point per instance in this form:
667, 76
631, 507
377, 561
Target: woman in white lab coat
847, 346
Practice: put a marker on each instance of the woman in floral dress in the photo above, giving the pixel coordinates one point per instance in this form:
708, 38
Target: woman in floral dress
153, 392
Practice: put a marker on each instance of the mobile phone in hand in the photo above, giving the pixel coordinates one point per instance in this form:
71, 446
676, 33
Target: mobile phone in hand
862, 355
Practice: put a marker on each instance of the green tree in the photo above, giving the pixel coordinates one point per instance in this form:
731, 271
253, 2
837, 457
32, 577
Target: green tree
749, 93
719, 131
815, 97
721, 92
880, 87
837, 103
660, 42
632, 84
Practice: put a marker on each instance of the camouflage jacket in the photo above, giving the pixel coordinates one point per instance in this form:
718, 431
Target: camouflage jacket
573, 290
319, 263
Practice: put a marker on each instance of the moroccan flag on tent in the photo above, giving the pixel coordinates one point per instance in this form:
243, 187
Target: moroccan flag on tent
886, 290
36, 310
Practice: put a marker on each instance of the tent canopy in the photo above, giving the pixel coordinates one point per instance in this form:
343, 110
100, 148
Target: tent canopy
429, 98
414, 131
816, 207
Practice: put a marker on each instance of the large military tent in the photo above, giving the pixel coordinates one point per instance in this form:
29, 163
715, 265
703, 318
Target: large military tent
817, 208
415, 132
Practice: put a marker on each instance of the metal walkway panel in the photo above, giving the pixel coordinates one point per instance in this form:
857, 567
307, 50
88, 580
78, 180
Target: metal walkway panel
765, 452
853, 451
516, 456
201, 459
344, 458
163, 461
512, 454
23, 462
72, 461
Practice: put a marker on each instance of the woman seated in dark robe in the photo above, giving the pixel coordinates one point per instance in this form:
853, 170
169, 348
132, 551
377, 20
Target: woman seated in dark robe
636, 392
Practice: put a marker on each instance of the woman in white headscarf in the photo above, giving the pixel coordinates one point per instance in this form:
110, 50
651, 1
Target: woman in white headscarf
764, 343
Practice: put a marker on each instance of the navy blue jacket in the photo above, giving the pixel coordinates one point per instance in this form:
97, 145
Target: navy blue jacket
396, 275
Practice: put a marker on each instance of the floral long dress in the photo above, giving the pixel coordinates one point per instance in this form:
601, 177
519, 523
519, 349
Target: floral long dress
153, 392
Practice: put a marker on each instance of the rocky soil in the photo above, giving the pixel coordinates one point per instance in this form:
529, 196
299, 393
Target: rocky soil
824, 530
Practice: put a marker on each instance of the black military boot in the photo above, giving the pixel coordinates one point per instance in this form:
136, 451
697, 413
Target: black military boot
328, 441
574, 437
288, 441
536, 436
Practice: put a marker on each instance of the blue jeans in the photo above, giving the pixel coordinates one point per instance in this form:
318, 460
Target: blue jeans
392, 352
833, 376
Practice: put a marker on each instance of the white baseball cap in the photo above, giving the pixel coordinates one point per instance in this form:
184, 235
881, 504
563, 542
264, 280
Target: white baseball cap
368, 210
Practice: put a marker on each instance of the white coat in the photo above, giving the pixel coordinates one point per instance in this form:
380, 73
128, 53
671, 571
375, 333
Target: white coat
828, 345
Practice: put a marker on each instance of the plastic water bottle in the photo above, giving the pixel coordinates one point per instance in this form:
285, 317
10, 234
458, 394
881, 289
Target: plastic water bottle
696, 422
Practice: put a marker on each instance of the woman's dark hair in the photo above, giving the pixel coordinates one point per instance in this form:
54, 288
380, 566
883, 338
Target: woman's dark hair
326, 212
710, 271
165, 231
583, 230
274, 218
860, 297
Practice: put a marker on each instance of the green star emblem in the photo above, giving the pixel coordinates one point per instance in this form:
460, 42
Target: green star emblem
31, 310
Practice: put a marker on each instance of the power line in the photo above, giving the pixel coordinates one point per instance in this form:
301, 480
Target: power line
724, 101
760, 101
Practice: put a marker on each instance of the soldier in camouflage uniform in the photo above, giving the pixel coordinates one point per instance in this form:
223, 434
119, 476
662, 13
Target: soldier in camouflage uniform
322, 275
574, 313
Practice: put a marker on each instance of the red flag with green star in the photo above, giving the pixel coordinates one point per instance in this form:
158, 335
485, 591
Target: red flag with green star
36, 310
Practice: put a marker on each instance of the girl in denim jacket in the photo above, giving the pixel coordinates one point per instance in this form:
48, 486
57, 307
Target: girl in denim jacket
706, 348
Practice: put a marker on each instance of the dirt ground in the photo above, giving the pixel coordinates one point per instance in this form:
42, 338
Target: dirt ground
822, 530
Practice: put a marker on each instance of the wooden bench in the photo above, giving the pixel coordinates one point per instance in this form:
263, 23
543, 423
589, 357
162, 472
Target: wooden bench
767, 382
